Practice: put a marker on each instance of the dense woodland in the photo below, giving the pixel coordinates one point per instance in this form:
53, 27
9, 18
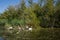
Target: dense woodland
41, 14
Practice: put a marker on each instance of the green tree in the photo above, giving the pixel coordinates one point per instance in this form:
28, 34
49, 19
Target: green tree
30, 2
48, 11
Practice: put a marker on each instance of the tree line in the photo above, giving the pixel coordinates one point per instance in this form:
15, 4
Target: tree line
44, 13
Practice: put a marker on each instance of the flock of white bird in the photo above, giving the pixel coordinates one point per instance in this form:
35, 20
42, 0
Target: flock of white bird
21, 28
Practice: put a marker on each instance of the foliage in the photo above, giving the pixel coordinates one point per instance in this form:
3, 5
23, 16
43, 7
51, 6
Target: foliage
43, 14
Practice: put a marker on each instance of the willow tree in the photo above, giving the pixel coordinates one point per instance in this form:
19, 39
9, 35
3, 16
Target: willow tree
31, 18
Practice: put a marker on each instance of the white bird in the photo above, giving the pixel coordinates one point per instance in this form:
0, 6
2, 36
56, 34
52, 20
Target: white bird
10, 28
30, 29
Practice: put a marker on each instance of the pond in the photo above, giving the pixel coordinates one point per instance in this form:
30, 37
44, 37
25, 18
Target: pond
1, 38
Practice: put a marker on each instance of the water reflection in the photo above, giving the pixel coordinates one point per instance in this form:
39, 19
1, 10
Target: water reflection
1, 38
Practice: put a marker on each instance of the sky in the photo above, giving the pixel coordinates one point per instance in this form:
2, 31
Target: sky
4, 4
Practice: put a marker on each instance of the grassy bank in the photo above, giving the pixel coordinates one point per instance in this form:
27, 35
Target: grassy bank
42, 34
